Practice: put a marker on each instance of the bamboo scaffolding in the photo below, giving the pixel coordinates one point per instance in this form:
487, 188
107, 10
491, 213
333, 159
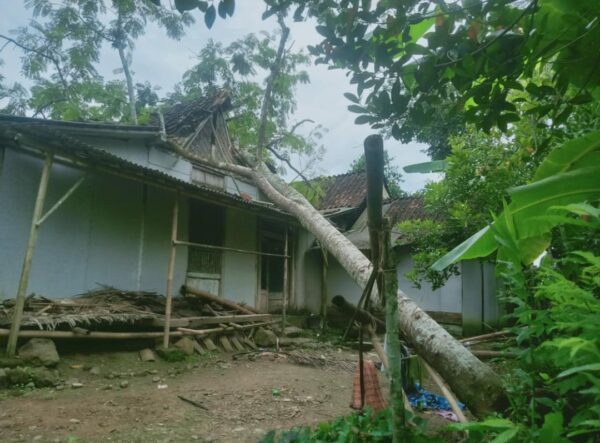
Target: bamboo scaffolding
11, 347
170, 271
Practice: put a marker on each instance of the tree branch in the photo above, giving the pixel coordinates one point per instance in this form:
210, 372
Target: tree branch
275, 69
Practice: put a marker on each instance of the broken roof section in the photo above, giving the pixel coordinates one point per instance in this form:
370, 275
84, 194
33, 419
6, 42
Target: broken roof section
342, 191
398, 210
109, 148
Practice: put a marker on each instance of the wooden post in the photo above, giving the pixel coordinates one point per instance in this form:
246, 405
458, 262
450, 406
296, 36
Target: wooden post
33, 233
170, 271
285, 280
324, 294
387, 278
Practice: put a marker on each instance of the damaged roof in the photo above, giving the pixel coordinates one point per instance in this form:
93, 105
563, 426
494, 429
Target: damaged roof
62, 139
342, 191
398, 210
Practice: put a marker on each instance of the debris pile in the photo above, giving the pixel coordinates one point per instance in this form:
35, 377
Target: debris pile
199, 321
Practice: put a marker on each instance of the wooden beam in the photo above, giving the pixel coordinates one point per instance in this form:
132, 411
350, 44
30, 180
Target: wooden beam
90, 335
33, 233
223, 248
285, 281
193, 322
170, 271
225, 328
207, 296
61, 200
449, 395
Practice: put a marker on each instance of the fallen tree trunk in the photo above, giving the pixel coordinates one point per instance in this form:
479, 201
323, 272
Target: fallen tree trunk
473, 381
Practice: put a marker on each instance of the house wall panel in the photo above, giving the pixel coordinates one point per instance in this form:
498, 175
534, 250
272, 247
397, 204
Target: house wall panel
239, 270
93, 238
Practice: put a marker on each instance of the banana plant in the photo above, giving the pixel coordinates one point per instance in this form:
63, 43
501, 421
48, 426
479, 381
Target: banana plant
569, 175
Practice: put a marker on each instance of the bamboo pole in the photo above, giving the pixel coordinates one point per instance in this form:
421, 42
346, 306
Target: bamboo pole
91, 335
449, 395
170, 271
60, 201
225, 328
11, 347
207, 296
388, 280
285, 281
324, 294
224, 248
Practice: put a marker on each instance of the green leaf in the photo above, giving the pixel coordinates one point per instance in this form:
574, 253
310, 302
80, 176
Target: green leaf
353, 98
506, 436
222, 9
563, 158
418, 30
229, 7
210, 16
185, 5
480, 244
357, 109
552, 428
426, 167
362, 119
584, 368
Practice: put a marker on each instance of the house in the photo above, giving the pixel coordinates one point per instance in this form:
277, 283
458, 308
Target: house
136, 207
113, 193
467, 300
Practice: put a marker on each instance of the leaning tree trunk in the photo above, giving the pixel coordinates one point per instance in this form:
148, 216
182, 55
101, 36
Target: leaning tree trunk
472, 380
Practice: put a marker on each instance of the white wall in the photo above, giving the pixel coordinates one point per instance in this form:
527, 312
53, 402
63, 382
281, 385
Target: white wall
93, 238
239, 270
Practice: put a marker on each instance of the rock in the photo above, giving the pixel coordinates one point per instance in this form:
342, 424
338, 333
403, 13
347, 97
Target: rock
39, 351
186, 345
74, 421
95, 370
265, 338
76, 385
292, 331
155, 379
10, 362
147, 355
43, 378
124, 384
18, 376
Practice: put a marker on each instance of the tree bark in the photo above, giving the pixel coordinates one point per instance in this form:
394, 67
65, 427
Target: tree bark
473, 381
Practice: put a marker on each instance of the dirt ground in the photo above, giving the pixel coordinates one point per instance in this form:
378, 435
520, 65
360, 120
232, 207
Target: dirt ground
123, 399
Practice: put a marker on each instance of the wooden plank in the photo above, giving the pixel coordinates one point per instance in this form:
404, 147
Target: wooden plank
238, 345
250, 343
206, 296
225, 343
198, 348
194, 322
209, 344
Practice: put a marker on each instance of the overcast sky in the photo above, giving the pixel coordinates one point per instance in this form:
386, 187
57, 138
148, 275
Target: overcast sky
162, 62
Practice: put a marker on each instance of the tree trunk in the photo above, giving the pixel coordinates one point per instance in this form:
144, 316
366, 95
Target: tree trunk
473, 381
129, 80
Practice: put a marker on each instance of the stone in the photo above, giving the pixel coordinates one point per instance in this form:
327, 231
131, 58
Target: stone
95, 370
124, 384
292, 331
39, 351
43, 378
186, 344
265, 338
147, 355
76, 385
18, 376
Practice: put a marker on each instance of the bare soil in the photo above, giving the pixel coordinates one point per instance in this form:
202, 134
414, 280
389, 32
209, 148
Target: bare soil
126, 400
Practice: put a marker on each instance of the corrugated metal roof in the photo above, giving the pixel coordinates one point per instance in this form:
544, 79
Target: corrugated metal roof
42, 134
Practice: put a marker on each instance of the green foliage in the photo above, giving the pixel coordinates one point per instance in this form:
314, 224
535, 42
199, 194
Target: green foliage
568, 175
61, 49
478, 173
354, 428
417, 63
391, 172
238, 68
